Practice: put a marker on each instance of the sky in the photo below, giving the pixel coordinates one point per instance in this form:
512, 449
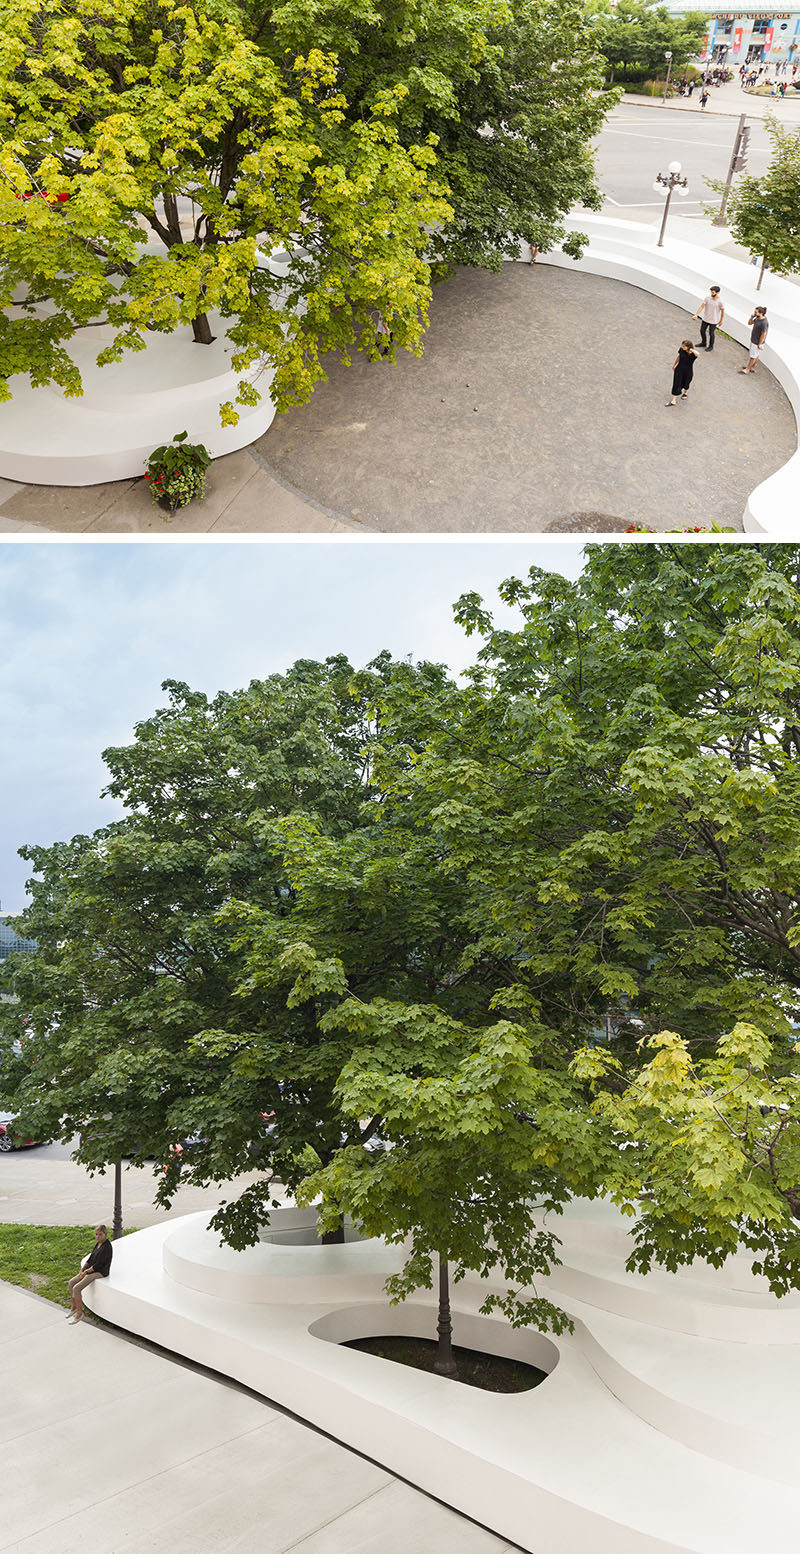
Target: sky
89, 631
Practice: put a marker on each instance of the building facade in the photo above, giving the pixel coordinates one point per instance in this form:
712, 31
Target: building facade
11, 943
737, 38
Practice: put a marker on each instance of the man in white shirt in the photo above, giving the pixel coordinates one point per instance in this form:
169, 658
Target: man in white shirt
710, 313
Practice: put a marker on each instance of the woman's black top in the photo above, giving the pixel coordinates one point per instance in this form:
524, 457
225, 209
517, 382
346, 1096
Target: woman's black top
682, 375
99, 1259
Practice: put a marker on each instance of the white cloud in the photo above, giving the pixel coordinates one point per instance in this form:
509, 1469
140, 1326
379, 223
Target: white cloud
89, 631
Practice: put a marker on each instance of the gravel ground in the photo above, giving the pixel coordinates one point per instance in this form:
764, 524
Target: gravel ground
539, 404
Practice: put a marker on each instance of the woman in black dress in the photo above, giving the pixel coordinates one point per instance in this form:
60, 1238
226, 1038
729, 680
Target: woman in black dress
682, 369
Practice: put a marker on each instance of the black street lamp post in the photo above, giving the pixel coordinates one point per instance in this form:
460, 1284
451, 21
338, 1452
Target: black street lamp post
670, 180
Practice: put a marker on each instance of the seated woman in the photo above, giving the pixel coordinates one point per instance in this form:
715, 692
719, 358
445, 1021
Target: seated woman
95, 1266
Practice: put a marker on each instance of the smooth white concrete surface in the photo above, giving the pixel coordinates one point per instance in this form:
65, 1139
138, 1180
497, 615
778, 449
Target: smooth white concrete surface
635, 1443
127, 409
130, 407
680, 272
109, 1447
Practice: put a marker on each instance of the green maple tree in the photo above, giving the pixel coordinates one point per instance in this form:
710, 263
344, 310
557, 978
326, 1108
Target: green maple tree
764, 213
151, 155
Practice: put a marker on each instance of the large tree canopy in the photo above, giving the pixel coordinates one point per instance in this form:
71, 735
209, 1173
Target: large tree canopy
140, 1022
149, 152
462, 918
622, 785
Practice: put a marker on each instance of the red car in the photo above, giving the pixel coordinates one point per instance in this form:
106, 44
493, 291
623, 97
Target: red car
9, 1138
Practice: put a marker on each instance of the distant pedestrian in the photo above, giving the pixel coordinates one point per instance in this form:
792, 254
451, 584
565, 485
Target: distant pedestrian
385, 336
703, 97
710, 313
758, 335
95, 1266
682, 370
690, 88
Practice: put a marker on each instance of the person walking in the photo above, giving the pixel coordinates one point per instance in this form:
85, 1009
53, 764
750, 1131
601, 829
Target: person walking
682, 371
710, 313
385, 338
703, 97
758, 335
95, 1266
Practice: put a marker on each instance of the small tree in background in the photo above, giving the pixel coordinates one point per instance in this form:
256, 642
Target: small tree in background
764, 213
634, 35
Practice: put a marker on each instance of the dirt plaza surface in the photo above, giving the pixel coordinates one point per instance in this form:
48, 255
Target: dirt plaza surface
540, 400
538, 406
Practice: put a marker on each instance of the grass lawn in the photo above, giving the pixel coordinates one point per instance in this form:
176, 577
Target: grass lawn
44, 1257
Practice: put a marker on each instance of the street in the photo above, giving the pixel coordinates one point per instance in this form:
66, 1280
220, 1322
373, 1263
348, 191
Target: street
639, 142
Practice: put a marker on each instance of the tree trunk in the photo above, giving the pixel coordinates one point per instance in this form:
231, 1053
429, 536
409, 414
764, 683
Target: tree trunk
201, 330
445, 1362
117, 1230
761, 273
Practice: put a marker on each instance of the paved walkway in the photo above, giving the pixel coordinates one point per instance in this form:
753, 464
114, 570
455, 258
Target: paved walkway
539, 405
109, 1446
731, 100
36, 1189
243, 496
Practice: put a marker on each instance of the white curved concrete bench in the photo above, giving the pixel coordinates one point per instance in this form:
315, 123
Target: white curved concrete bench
709, 1397
634, 1444
130, 407
270, 1273
680, 272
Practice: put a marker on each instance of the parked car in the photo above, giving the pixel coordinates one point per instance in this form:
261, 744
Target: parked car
9, 1137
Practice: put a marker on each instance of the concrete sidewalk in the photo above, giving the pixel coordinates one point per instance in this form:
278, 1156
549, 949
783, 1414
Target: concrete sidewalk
729, 100
110, 1446
38, 1190
243, 496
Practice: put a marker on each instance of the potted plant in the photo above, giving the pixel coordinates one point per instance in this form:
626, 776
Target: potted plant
176, 472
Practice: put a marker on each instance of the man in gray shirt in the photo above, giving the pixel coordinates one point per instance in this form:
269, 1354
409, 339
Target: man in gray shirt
758, 335
710, 313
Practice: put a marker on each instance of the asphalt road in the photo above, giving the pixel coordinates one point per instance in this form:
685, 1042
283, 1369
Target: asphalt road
639, 142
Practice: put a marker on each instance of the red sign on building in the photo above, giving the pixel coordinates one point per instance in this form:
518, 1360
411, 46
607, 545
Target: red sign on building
737, 40
768, 39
